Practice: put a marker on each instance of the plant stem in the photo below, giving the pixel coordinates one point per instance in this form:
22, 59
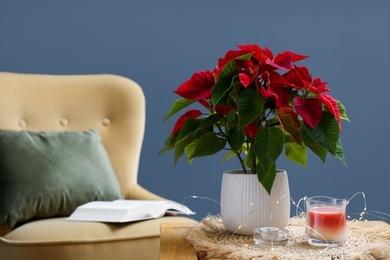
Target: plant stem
254, 170
241, 162
221, 132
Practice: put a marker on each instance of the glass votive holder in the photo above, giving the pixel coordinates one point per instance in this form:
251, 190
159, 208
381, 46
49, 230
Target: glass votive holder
270, 236
326, 221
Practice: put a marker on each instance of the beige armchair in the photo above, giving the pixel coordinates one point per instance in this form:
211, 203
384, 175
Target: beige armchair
113, 105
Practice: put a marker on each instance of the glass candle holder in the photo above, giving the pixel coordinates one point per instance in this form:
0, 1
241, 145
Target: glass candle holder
270, 236
326, 221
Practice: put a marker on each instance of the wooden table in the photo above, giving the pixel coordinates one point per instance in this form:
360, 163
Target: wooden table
173, 244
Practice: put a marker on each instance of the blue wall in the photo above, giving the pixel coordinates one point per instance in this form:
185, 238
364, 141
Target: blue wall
160, 44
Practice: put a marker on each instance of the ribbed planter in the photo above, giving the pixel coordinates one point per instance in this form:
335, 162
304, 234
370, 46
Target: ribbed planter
246, 205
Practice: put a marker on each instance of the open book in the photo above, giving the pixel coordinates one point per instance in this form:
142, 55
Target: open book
120, 211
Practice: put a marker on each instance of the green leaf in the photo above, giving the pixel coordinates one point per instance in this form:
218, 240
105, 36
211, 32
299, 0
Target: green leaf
327, 132
229, 155
233, 94
231, 119
250, 106
181, 146
225, 79
224, 84
267, 147
208, 144
310, 142
185, 136
190, 148
236, 139
165, 149
250, 160
296, 153
290, 123
343, 112
340, 153
189, 127
178, 105
210, 121
169, 144
266, 177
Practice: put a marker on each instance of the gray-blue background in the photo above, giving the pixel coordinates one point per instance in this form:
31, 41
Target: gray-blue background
160, 44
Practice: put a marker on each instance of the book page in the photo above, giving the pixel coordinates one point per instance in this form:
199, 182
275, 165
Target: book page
126, 210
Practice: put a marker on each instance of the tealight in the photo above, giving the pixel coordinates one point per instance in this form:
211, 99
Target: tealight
271, 236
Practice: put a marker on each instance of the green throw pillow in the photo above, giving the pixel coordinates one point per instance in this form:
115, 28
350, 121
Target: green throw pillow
46, 174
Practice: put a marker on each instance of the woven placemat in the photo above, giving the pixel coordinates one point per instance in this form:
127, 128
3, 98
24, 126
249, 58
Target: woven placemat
365, 241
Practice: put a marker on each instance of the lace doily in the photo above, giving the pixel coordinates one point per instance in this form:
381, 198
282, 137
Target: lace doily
365, 241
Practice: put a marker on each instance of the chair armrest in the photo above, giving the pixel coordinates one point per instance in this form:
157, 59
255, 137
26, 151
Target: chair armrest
140, 193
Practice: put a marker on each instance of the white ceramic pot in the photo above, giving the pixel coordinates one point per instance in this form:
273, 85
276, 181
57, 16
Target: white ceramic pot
246, 205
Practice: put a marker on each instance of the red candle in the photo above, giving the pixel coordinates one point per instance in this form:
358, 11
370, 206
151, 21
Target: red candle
327, 223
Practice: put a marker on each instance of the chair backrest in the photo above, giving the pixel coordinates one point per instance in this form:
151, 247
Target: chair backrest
112, 104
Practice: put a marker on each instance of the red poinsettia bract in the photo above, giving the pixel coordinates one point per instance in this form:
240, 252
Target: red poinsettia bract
310, 106
193, 113
198, 87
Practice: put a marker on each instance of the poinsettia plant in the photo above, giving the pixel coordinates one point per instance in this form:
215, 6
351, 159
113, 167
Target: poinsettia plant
255, 105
